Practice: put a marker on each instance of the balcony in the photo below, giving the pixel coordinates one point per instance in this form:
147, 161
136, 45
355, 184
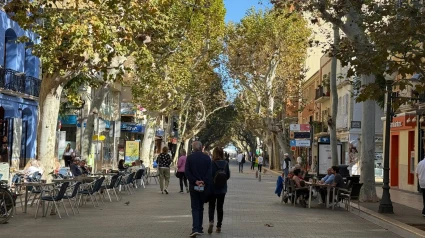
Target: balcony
14, 81
321, 95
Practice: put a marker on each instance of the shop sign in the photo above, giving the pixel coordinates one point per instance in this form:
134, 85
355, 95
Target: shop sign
324, 140
356, 124
133, 128
396, 124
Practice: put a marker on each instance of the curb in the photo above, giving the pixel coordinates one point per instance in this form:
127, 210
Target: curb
383, 221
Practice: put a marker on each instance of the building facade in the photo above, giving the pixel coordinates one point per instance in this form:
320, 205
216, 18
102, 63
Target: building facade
19, 90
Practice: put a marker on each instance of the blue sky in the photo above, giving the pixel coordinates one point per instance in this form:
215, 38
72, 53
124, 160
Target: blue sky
236, 9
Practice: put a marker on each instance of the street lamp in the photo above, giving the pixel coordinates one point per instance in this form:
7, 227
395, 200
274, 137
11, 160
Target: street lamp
386, 206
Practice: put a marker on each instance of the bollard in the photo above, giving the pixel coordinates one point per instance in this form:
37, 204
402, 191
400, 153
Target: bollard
259, 177
256, 174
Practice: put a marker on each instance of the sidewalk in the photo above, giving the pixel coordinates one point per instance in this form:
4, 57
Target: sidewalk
406, 221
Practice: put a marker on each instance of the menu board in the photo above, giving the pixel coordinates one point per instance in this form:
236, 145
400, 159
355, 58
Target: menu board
325, 157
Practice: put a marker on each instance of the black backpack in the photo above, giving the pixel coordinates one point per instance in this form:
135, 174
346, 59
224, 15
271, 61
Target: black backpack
220, 177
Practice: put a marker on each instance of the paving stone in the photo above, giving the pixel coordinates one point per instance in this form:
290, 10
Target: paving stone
249, 205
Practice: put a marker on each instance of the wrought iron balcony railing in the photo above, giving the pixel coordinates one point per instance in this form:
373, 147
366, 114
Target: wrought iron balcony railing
19, 82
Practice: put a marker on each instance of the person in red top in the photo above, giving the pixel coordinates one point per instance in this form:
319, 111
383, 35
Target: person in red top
181, 163
299, 182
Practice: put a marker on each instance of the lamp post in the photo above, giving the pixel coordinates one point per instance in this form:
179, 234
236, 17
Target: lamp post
386, 206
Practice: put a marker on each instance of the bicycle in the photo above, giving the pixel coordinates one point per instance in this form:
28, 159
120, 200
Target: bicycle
7, 203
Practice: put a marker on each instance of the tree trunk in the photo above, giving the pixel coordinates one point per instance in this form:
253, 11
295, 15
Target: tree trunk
49, 102
88, 131
148, 139
276, 149
186, 145
368, 192
269, 146
334, 101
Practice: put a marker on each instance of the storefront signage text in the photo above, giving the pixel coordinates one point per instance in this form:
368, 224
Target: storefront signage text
396, 124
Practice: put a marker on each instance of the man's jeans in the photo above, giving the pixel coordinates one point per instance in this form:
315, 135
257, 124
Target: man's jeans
240, 167
197, 204
286, 171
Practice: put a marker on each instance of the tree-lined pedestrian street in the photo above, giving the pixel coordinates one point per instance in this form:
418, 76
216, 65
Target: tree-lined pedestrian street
250, 206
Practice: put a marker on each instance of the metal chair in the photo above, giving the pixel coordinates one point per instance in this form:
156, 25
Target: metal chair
73, 196
50, 198
153, 175
90, 191
111, 186
139, 177
351, 194
129, 181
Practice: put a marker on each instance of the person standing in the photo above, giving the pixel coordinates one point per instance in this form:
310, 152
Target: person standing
420, 174
4, 150
220, 173
67, 155
164, 162
286, 164
198, 172
252, 158
239, 158
180, 170
260, 162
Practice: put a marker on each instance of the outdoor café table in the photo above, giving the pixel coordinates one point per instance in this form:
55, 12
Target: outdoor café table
32, 184
318, 185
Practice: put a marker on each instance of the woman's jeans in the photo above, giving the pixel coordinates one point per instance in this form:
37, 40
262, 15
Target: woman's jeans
182, 178
164, 174
219, 198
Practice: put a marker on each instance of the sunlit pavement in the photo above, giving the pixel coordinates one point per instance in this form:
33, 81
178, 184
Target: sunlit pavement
249, 205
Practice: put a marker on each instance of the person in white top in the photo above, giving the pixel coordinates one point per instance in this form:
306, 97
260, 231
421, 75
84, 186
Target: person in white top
32, 169
260, 162
420, 174
239, 158
67, 155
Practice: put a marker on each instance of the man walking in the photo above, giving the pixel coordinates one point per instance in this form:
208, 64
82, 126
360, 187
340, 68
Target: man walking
198, 172
240, 157
420, 174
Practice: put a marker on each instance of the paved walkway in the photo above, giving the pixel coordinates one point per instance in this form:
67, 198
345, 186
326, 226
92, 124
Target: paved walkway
413, 200
249, 206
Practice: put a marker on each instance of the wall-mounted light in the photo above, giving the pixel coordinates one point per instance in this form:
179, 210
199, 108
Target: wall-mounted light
414, 119
408, 120
422, 119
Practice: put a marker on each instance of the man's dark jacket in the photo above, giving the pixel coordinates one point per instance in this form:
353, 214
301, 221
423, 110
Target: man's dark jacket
198, 168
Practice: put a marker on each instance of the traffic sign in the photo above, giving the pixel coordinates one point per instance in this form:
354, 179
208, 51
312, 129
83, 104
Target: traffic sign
299, 127
293, 148
301, 135
300, 143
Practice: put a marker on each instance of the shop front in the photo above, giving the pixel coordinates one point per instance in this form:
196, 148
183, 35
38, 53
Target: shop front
403, 152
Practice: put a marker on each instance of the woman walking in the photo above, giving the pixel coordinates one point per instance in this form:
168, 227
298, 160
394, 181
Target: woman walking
181, 163
164, 162
220, 175
260, 162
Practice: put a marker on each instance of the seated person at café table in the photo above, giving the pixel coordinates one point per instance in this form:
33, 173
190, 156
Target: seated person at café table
122, 166
328, 179
302, 194
83, 167
32, 169
338, 180
75, 168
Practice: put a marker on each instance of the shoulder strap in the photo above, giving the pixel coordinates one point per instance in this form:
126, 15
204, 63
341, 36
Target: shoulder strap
216, 164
